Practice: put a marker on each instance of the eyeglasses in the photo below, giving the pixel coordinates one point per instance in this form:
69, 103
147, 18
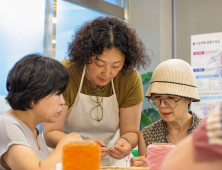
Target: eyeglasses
96, 113
170, 103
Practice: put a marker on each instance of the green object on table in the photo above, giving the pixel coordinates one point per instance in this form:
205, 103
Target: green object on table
135, 153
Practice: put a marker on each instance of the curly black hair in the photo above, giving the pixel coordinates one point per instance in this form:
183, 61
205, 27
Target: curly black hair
107, 32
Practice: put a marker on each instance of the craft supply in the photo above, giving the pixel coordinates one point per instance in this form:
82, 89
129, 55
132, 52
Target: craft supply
59, 166
81, 156
156, 154
123, 168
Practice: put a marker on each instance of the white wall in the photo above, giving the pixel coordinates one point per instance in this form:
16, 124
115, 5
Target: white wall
195, 17
152, 20
144, 16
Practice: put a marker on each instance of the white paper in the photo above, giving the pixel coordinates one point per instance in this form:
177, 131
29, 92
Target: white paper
206, 61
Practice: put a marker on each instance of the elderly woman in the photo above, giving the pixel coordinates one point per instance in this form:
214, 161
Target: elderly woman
35, 85
105, 93
172, 89
202, 150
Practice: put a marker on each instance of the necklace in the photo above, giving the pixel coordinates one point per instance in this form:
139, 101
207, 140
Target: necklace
99, 88
36, 130
102, 91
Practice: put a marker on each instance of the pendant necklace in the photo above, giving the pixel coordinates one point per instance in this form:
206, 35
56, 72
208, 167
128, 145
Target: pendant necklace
99, 88
36, 131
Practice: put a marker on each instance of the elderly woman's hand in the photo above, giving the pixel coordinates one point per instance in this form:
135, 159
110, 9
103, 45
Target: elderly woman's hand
121, 149
71, 137
140, 161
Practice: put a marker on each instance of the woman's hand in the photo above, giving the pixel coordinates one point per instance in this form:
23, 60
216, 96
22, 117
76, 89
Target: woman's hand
104, 149
140, 161
71, 137
121, 149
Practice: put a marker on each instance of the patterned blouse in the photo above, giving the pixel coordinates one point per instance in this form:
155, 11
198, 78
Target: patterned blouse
157, 132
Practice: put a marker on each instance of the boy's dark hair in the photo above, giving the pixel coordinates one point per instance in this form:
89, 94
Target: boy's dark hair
32, 78
107, 32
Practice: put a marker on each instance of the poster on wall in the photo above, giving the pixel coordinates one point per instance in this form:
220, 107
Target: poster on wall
206, 61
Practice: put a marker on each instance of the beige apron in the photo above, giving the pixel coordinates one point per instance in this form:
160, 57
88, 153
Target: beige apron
78, 120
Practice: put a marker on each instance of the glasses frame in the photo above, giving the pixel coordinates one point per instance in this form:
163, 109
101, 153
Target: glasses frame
98, 105
165, 103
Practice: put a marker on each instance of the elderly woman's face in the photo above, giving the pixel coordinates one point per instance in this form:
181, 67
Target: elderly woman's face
174, 109
49, 108
108, 65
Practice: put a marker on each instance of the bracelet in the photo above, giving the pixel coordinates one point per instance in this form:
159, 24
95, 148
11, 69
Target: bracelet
125, 139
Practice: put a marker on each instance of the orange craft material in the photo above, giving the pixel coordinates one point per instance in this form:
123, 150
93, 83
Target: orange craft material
81, 156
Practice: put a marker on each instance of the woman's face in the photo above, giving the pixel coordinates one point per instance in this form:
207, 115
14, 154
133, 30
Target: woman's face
108, 65
49, 108
178, 113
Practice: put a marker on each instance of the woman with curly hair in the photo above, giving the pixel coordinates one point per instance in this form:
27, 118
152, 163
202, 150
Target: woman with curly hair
103, 100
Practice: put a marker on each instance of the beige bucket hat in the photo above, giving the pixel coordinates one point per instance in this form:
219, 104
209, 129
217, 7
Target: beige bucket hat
174, 77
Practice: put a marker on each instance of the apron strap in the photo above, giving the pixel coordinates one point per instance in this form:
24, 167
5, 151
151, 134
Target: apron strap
82, 78
114, 92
